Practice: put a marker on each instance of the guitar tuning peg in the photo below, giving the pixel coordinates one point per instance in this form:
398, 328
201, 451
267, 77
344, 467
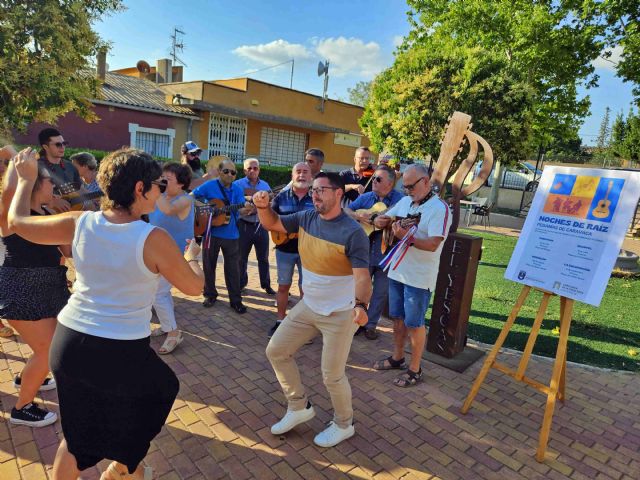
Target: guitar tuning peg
470, 126
449, 118
460, 149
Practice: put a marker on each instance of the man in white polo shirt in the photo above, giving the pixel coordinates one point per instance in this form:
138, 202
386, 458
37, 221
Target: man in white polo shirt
412, 278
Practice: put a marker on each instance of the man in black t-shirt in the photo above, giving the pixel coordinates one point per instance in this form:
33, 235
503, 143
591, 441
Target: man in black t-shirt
62, 171
356, 183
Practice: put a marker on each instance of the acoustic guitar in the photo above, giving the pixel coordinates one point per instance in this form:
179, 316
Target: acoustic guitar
73, 194
389, 239
280, 238
217, 210
378, 208
602, 209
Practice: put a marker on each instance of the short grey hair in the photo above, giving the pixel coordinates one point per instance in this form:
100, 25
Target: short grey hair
249, 160
420, 168
85, 159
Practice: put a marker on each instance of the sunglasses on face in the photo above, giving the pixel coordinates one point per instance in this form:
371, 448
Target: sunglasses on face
227, 171
161, 183
377, 179
413, 185
60, 144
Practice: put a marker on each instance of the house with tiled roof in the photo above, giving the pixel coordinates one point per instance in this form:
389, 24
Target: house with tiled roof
154, 109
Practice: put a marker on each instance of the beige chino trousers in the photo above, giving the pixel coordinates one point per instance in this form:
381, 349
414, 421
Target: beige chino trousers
298, 327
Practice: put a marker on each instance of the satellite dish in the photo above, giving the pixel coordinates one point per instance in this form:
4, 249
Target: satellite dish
323, 68
143, 66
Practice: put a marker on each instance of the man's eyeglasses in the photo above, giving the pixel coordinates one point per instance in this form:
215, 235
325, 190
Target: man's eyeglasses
377, 179
161, 183
61, 144
320, 190
413, 185
252, 168
227, 171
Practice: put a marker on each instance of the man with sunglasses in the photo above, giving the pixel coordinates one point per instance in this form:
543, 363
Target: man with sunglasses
61, 170
224, 237
337, 288
383, 191
251, 232
412, 279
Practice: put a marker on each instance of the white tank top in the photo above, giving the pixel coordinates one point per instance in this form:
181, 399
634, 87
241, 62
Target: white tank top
114, 289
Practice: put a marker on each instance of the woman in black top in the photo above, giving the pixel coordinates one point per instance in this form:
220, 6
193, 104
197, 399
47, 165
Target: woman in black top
34, 290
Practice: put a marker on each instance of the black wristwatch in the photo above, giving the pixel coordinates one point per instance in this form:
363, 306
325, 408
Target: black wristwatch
361, 305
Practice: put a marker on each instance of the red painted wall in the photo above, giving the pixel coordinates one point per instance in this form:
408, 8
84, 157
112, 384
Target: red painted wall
109, 133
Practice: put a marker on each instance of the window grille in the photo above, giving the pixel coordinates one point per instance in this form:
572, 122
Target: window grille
227, 136
282, 147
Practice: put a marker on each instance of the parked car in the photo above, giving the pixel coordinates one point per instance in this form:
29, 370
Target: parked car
516, 177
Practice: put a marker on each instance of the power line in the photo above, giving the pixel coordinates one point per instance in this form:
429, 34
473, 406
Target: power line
261, 69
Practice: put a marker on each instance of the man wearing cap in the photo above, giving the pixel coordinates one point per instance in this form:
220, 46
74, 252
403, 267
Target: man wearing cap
191, 156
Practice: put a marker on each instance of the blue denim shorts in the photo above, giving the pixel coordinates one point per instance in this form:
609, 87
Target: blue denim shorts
286, 262
408, 303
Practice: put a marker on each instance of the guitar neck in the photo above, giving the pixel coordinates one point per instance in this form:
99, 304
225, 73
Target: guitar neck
219, 210
75, 200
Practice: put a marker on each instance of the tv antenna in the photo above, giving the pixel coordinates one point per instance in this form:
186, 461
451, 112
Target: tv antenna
323, 69
177, 45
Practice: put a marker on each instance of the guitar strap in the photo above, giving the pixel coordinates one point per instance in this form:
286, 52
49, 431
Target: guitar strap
226, 200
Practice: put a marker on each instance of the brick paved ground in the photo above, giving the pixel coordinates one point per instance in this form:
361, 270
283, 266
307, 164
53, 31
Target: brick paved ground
219, 426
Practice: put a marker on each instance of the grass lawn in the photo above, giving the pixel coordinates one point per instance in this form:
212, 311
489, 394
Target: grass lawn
599, 336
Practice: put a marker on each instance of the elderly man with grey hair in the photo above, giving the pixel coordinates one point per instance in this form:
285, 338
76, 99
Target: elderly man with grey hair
412, 279
251, 232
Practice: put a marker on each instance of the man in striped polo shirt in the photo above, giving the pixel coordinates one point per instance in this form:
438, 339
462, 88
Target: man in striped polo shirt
412, 277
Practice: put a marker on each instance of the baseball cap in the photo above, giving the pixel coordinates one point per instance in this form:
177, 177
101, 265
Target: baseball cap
190, 147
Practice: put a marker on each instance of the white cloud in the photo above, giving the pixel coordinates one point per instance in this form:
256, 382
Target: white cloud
350, 56
274, 52
611, 62
397, 40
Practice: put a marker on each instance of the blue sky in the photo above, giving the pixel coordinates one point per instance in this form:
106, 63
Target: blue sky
225, 39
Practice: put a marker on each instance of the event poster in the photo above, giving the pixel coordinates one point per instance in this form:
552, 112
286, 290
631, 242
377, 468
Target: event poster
574, 230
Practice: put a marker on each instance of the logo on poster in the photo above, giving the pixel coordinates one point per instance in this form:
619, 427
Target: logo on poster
522, 274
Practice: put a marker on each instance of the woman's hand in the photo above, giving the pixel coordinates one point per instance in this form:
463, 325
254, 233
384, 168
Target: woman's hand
26, 164
192, 251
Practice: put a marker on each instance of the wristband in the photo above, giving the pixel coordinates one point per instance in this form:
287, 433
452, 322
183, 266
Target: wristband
361, 305
260, 208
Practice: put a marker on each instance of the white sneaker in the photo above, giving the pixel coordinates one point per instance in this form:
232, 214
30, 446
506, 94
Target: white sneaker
293, 418
333, 435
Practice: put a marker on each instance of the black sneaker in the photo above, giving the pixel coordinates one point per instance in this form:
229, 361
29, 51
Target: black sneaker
208, 302
48, 384
32, 416
273, 329
239, 307
371, 333
359, 331
269, 291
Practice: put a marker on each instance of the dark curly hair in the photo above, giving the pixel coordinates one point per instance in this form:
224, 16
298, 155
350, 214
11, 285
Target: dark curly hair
182, 173
120, 171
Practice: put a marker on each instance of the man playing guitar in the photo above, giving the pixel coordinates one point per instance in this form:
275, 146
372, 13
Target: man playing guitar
413, 279
382, 181
62, 171
288, 201
223, 237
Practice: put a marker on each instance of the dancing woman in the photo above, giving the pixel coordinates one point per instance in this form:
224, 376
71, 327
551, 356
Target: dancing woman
34, 290
114, 391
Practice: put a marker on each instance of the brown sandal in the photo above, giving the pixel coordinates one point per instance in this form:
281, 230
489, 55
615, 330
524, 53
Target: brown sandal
389, 364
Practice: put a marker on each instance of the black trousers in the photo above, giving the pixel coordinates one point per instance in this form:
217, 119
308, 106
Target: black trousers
253, 235
231, 252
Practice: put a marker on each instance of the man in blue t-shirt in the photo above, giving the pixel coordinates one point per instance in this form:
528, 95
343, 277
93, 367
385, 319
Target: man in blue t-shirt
383, 180
223, 237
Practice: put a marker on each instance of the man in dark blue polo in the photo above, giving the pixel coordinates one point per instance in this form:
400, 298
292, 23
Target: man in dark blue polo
382, 184
251, 233
223, 237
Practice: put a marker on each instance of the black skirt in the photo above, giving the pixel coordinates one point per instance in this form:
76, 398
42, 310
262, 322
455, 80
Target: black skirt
115, 396
32, 293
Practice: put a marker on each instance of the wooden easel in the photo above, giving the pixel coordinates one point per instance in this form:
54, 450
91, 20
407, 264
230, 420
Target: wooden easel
556, 389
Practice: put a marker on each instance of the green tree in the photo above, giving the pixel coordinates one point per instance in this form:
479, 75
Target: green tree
45, 51
550, 43
604, 137
411, 101
623, 22
359, 94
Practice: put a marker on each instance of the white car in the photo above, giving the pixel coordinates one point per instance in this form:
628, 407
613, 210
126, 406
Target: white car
516, 177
